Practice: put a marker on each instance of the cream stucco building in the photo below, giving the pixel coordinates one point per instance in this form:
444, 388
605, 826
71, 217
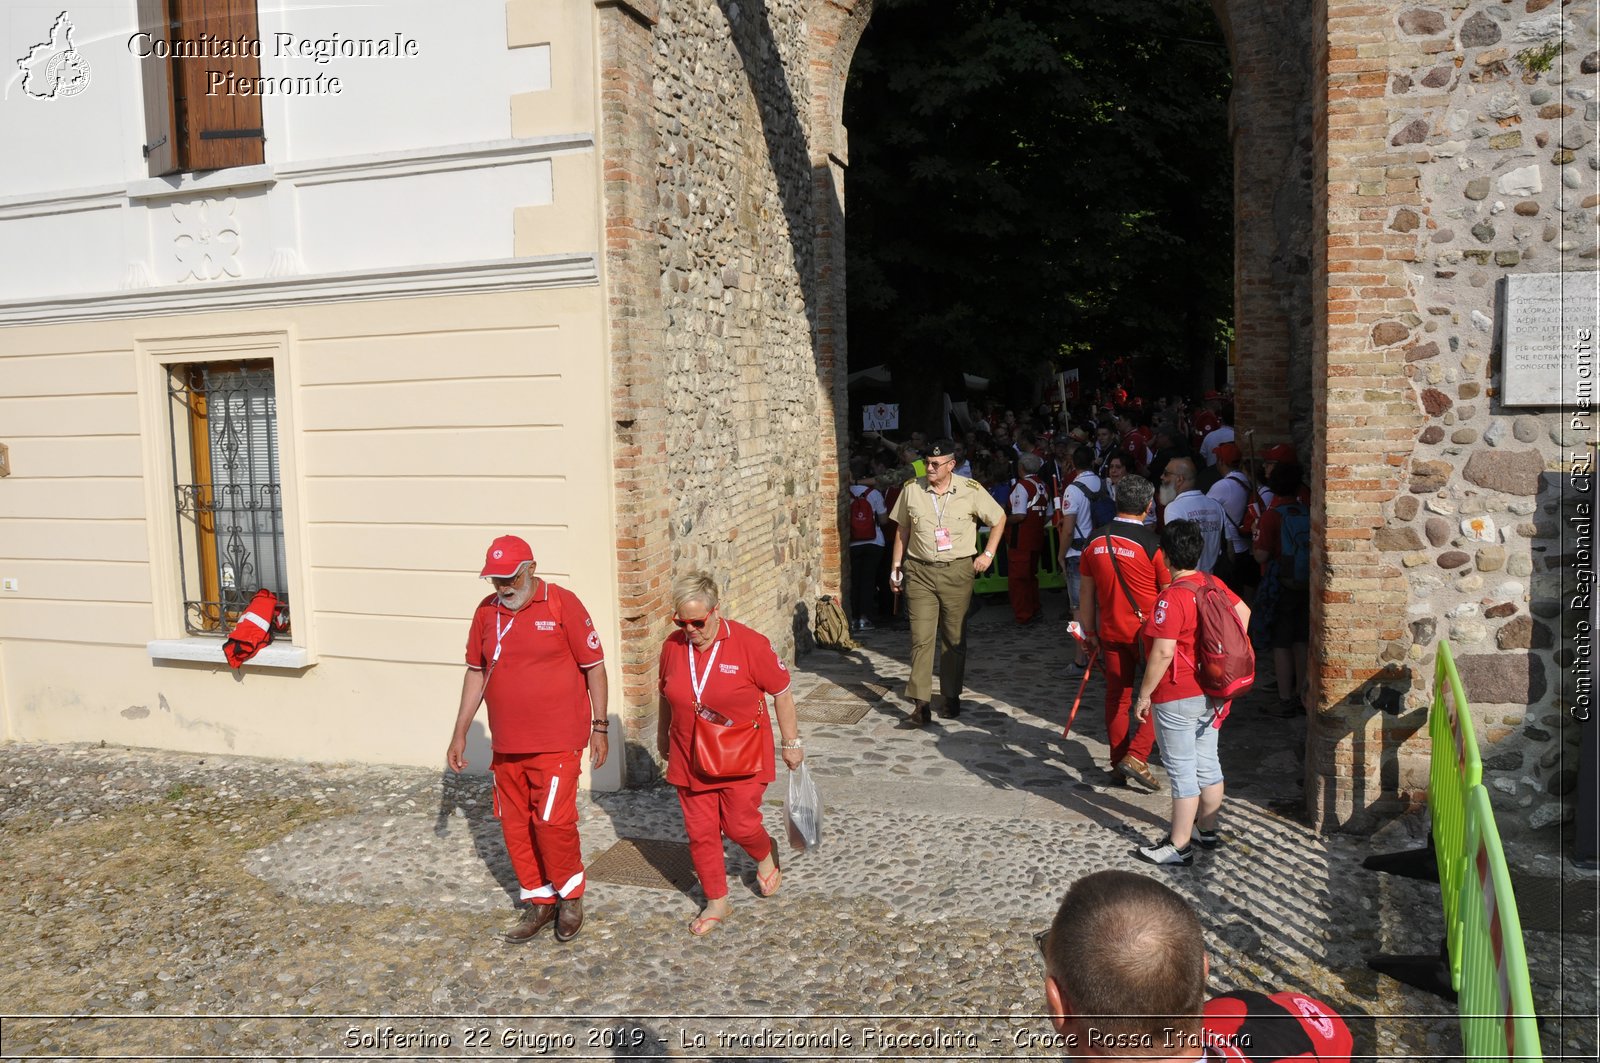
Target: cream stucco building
328, 335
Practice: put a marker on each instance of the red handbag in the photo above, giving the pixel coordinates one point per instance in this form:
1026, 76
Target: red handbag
724, 750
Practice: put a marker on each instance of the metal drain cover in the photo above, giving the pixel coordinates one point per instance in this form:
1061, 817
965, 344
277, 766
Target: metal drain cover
649, 862
834, 703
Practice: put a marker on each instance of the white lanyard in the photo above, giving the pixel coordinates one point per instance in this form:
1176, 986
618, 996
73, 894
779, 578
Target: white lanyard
698, 682
499, 635
938, 509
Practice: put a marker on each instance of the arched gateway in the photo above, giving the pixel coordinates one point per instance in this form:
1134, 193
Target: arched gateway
596, 292
1394, 166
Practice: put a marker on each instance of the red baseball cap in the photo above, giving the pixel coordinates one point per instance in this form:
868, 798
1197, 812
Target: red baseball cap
1228, 452
1213, 394
1280, 452
506, 554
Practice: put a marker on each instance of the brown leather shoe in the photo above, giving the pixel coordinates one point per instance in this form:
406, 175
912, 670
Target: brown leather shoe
918, 718
535, 919
571, 918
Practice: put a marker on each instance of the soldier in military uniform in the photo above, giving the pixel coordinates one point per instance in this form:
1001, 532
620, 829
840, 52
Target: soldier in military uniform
934, 559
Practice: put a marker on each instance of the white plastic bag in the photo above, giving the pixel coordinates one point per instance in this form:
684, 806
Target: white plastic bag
802, 811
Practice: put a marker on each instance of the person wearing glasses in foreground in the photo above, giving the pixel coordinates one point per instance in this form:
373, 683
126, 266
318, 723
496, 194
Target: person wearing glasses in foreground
935, 557
1125, 978
534, 654
714, 731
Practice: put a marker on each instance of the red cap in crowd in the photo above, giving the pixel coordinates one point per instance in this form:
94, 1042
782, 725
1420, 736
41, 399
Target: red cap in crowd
1280, 452
506, 554
1228, 452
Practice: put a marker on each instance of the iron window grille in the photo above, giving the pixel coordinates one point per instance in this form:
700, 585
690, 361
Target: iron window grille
229, 503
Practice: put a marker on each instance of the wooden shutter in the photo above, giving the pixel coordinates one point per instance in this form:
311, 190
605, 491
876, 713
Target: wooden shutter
220, 126
160, 115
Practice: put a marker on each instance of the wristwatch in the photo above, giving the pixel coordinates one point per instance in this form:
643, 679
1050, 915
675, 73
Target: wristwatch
989, 554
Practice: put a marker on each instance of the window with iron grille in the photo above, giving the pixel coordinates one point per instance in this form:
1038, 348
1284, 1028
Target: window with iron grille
229, 498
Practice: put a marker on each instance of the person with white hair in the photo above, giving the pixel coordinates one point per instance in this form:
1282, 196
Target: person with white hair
713, 729
534, 655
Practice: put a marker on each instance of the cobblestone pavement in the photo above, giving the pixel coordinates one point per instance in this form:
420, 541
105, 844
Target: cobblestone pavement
178, 905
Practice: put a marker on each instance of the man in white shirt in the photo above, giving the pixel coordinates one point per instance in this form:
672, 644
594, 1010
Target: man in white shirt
1077, 526
1232, 489
1215, 438
1182, 500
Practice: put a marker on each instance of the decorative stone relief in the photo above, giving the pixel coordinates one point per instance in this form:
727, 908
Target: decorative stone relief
207, 244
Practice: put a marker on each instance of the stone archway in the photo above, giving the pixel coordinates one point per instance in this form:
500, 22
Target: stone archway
1364, 310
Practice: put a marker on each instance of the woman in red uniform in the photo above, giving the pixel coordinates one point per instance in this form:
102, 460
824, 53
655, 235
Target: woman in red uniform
718, 674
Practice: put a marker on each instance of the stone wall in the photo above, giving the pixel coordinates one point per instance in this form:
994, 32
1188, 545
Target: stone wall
722, 158
1451, 161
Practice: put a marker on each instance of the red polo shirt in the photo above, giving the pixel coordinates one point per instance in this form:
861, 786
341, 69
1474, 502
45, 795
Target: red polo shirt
745, 673
1143, 566
538, 698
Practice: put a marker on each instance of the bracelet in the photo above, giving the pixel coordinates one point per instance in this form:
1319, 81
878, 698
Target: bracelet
601, 726
796, 744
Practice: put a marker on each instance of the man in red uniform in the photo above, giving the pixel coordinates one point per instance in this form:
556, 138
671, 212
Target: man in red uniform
534, 654
1122, 570
1125, 978
1029, 505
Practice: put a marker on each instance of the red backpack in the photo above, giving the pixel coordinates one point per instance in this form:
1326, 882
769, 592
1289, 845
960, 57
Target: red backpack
863, 524
1224, 660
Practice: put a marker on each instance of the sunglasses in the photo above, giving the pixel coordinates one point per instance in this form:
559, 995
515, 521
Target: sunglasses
1041, 940
698, 625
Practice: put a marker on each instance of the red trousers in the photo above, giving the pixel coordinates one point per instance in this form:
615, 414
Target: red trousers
536, 801
1022, 567
1121, 662
708, 815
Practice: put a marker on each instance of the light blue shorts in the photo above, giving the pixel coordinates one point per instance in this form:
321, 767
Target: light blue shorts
1188, 743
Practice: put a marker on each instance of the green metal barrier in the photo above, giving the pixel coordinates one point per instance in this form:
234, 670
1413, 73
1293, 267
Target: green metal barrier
1497, 1017
1455, 769
1050, 575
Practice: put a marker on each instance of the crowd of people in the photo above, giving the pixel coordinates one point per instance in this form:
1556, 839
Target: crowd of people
1122, 502
1144, 568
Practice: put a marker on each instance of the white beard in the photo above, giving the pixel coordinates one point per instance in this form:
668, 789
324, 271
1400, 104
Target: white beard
1167, 494
515, 600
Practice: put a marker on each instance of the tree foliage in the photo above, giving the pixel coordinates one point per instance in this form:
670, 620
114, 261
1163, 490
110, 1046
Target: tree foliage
1034, 182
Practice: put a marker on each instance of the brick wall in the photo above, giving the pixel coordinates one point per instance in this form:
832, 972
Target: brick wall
1449, 164
724, 272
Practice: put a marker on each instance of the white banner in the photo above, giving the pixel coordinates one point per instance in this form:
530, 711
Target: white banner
881, 418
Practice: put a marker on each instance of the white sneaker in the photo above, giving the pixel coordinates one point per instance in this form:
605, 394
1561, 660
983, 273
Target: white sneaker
866, 625
1165, 853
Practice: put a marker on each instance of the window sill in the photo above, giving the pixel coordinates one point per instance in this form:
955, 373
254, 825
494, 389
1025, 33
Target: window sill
209, 651
183, 184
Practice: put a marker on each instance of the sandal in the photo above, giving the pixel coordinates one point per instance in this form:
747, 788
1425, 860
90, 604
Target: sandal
703, 925
768, 884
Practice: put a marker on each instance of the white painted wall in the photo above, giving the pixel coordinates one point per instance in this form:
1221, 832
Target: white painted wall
413, 163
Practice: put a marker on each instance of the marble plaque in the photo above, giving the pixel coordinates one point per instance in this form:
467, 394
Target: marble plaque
1549, 338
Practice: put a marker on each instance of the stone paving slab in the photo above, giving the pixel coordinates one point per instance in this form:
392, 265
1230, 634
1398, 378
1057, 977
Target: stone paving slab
348, 911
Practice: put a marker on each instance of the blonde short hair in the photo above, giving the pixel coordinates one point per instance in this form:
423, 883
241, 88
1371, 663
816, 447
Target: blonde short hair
694, 587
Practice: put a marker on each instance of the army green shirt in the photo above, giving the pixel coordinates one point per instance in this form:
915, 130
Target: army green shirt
964, 505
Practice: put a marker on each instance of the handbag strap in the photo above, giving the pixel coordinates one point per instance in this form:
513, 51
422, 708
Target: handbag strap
1116, 567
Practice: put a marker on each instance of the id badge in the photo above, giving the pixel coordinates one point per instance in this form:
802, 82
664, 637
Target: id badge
941, 539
